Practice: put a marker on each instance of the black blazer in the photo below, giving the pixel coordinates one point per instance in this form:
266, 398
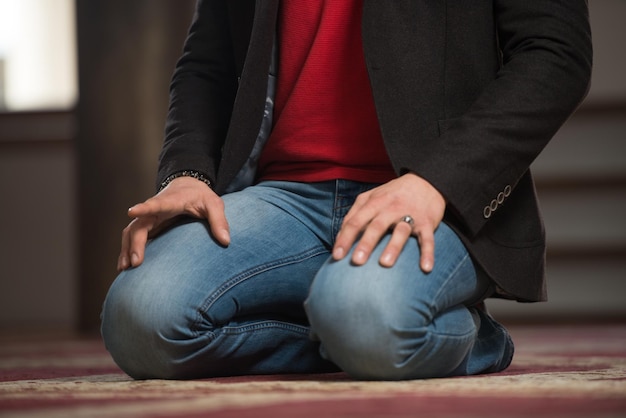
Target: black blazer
467, 93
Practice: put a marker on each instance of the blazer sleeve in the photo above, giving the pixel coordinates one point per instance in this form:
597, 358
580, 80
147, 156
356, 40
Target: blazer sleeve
202, 92
545, 73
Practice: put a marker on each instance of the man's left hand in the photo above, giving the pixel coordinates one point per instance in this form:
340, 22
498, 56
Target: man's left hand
384, 208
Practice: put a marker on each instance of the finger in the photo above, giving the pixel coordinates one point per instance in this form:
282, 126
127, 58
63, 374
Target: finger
372, 235
351, 229
134, 238
401, 233
164, 205
138, 238
353, 224
217, 221
123, 261
426, 240
152, 206
345, 238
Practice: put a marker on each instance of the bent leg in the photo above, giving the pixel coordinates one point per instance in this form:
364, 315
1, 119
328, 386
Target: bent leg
197, 309
399, 323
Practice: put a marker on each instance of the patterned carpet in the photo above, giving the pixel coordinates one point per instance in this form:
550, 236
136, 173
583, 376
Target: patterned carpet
558, 371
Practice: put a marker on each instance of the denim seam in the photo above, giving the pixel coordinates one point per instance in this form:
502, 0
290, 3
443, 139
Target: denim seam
333, 216
263, 325
441, 289
229, 284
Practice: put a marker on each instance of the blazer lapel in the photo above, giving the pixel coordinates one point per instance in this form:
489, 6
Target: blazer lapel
249, 104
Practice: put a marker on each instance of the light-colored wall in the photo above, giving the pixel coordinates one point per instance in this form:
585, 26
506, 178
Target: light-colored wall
586, 223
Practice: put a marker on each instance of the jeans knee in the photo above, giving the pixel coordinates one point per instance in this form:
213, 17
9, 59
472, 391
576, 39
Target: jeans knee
372, 338
353, 335
388, 353
140, 334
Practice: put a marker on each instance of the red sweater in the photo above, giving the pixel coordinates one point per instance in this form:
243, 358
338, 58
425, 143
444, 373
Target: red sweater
325, 124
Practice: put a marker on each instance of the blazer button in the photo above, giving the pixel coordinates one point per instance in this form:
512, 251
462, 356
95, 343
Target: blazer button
500, 198
494, 205
507, 191
487, 212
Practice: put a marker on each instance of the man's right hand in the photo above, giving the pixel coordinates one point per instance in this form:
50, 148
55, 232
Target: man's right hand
183, 196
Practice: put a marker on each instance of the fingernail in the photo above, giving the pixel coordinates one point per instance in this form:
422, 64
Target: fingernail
386, 260
338, 253
134, 258
222, 236
123, 263
359, 256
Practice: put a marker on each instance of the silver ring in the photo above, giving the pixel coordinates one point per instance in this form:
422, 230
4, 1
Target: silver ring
408, 219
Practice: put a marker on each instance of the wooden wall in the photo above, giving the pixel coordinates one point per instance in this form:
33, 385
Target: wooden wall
127, 50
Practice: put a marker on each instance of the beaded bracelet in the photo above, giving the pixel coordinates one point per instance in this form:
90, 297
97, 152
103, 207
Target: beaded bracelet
185, 173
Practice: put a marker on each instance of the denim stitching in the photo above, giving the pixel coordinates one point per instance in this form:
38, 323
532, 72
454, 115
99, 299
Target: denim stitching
263, 325
441, 289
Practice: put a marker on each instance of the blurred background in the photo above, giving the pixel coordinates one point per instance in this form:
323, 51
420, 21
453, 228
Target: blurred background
83, 99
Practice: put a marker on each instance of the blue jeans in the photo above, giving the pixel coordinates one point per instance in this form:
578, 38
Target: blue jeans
196, 309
